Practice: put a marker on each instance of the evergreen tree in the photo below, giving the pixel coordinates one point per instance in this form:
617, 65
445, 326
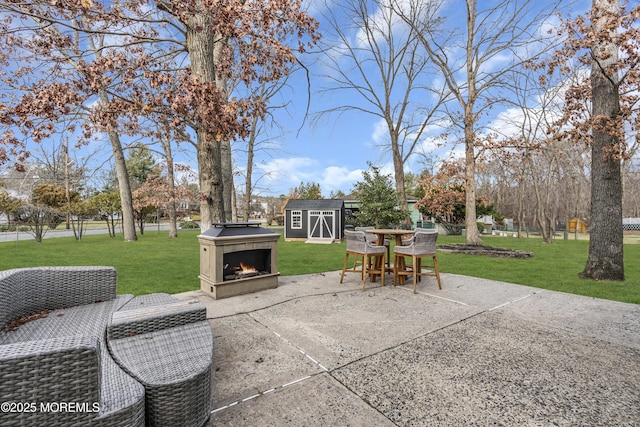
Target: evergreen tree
309, 191
379, 201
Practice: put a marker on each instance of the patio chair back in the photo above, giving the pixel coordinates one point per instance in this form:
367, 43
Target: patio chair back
371, 238
425, 241
357, 242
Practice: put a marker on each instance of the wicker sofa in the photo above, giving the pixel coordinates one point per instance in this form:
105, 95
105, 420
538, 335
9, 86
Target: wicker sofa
56, 367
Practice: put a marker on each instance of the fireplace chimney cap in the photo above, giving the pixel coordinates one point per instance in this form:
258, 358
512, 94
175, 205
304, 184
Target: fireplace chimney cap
230, 229
236, 224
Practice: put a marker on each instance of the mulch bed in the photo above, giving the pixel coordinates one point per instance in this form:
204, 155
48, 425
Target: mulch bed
461, 248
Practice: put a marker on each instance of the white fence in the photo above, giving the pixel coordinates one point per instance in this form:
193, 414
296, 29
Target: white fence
631, 224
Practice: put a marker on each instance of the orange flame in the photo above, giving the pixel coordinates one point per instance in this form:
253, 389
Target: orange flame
244, 269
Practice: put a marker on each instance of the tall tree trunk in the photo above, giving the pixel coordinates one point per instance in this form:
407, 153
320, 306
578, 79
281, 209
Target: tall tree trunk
473, 235
228, 188
234, 204
124, 184
470, 220
201, 45
540, 214
543, 188
398, 167
126, 200
210, 179
226, 163
605, 260
248, 188
171, 180
227, 180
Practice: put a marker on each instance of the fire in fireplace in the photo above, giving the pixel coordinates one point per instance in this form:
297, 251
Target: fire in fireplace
238, 258
244, 264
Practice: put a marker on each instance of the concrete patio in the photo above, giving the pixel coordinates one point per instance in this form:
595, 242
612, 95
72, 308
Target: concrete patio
314, 352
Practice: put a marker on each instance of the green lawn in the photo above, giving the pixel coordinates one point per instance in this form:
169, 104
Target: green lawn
156, 263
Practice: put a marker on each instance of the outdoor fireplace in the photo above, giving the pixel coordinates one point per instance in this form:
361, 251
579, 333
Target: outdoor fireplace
238, 258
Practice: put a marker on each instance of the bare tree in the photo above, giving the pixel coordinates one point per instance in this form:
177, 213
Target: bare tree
631, 204
475, 63
373, 55
263, 131
171, 183
547, 163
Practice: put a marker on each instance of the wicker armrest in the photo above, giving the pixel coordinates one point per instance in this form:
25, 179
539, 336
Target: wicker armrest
126, 323
53, 370
24, 291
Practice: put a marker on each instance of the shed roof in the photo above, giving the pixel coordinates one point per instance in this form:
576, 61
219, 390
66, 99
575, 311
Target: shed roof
305, 204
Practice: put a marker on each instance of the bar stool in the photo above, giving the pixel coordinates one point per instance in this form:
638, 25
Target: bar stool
373, 239
423, 245
357, 245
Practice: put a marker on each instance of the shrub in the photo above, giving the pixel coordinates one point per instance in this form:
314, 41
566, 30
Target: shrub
189, 225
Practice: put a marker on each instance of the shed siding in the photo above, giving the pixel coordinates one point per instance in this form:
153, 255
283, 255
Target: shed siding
334, 207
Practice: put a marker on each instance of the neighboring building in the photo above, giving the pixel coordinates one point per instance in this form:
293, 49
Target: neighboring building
579, 224
314, 219
416, 217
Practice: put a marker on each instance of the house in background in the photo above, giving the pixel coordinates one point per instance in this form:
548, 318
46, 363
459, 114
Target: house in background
353, 205
321, 219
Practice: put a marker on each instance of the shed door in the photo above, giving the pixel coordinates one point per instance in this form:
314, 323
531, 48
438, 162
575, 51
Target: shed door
321, 224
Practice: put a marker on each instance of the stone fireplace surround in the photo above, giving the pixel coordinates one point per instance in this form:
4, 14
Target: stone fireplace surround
224, 245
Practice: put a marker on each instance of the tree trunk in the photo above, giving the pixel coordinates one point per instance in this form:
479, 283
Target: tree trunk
201, 45
542, 189
226, 163
171, 179
126, 200
124, 184
605, 260
227, 180
234, 204
210, 178
398, 167
473, 235
520, 199
248, 188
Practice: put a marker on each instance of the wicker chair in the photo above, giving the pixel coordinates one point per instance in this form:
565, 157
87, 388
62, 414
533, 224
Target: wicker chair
65, 336
59, 353
423, 245
373, 239
357, 245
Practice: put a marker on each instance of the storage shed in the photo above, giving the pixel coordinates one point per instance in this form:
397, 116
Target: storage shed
321, 219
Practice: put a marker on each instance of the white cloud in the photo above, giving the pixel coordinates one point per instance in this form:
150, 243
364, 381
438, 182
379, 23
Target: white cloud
288, 172
380, 133
509, 122
281, 175
339, 178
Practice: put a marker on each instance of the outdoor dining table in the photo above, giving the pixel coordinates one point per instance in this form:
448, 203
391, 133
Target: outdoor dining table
398, 233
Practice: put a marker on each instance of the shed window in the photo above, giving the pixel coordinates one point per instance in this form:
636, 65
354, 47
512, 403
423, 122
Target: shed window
296, 220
